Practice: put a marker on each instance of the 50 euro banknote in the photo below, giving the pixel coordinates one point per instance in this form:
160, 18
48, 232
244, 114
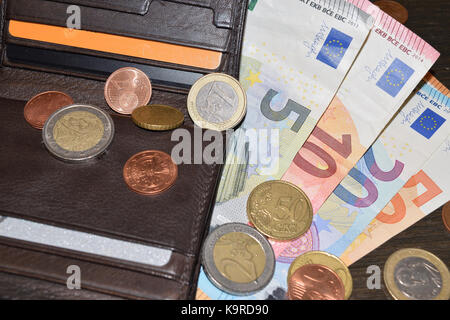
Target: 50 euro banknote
424, 192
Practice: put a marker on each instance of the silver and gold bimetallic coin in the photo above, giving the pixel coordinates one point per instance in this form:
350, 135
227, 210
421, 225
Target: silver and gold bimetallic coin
78, 132
415, 274
279, 210
238, 259
217, 101
328, 260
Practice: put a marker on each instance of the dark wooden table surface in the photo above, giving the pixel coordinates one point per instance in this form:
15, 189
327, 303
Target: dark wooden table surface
430, 20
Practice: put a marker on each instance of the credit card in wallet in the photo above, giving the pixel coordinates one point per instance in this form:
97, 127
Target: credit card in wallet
127, 46
83, 242
80, 63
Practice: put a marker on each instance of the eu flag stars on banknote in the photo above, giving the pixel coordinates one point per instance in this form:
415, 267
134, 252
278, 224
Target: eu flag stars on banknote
334, 48
428, 123
395, 77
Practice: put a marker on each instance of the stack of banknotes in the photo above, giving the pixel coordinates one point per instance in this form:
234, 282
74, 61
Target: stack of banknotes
354, 119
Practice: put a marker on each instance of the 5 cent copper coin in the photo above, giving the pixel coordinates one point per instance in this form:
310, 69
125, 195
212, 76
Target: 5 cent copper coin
315, 282
394, 9
446, 215
126, 89
39, 108
150, 172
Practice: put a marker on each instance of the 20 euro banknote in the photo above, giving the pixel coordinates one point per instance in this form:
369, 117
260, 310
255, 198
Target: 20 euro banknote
424, 192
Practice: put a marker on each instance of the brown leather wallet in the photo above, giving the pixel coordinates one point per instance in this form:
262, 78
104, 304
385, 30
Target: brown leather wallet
92, 197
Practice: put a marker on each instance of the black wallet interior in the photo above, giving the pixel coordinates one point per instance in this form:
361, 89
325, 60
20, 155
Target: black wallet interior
92, 198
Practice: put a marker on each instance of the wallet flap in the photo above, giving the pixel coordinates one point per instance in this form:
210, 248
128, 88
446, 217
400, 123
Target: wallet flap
129, 6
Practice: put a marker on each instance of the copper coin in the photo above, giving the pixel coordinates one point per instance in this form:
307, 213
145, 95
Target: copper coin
394, 9
150, 172
39, 108
126, 89
315, 282
446, 215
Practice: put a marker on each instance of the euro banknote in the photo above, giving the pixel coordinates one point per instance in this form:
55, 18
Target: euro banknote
402, 149
290, 70
390, 65
290, 76
424, 192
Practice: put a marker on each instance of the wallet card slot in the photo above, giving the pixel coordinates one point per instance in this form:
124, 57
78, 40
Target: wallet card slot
94, 67
43, 234
165, 21
129, 6
44, 263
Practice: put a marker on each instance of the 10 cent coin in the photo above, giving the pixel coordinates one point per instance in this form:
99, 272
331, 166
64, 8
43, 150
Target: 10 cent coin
157, 117
78, 132
279, 210
217, 101
150, 172
238, 259
325, 259
126, 89
415, 274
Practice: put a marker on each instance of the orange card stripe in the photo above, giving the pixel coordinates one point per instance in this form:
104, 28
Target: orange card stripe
133, 47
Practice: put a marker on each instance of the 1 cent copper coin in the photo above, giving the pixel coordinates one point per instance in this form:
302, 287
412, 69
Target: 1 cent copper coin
126, 89
39, 108
150, 172
394, 9
446, 215
315, 282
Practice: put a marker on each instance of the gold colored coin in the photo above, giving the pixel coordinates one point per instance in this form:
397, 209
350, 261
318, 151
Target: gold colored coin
78, 131
239, 257
279, 210
328, 260
217, 101
157, 117
415, 274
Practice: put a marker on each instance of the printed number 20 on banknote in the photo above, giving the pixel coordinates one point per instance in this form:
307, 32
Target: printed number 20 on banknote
426, 191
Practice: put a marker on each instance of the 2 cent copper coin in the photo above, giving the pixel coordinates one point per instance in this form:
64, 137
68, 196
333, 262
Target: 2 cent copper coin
150, 172
315, 282
446, 215
126, 89
39, 108
394, 9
